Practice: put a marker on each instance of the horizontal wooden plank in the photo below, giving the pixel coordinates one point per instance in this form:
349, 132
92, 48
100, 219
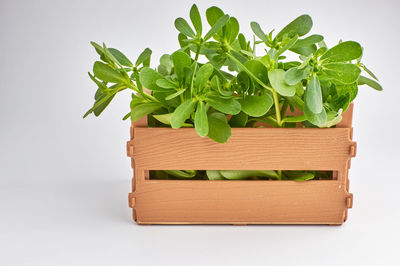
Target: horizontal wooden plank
240, 202
248, 148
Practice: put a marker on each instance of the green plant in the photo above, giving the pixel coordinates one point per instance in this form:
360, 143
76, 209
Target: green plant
233, 86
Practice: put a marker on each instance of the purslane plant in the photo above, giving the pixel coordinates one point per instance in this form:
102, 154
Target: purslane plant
216, 80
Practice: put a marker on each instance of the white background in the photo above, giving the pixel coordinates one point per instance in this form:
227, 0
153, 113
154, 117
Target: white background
64, 180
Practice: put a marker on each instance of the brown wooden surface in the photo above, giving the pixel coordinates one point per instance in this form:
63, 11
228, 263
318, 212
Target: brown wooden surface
247, 149
241, 201
236, 202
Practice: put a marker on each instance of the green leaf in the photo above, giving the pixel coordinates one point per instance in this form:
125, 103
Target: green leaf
181, 173
180, 61
306, 42
294, 119
102, 98
320, 51
166, 65
144, 109
213, 14
161, 95
183, 42
214, 175
110, 56
313, 95
126, 116
183, 27
286, 46
315, 119
371, 83
348, 89
277, 80
203, 75
307, 45
345, 51
239, 120
266, 60
101, 85
99, 50
144, 58
219, 130
216, 85
231, 29
242, 41
368, 71
300, 26
306, 50
299, 89
258, 69
299, 175
196, 19
166, 119
294, 75
227, 106
122, 59
106, 73
182, 112
245, 174
243, 82
306, 61
340, 102
216, 27
175, 94
100, 108
166, 84
255, 105
259, 32
333, 118
148, 77
201, 120
249, 54
135, 101
341, 72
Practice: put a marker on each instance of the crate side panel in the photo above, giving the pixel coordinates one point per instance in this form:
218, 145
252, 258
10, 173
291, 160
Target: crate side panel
269, 202
247, 149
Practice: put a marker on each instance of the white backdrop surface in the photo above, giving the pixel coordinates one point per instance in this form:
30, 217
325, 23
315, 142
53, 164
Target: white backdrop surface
64, 180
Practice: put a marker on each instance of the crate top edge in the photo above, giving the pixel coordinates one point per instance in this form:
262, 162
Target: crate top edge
347, 120
248, 129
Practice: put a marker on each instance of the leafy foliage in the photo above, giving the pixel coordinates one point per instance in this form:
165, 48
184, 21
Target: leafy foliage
215, 80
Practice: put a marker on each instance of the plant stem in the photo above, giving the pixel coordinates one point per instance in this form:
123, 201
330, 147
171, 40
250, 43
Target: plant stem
280, 174
274, 93
151, 97
191, 82
195, 68
277, 108
132, 86
197, 52
97, 104
245, 69
283, 109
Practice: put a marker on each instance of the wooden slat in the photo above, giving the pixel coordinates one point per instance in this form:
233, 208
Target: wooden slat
347, 120
247, 149
240, 202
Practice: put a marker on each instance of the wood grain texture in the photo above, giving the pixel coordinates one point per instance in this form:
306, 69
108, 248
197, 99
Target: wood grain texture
240, 202
247, 149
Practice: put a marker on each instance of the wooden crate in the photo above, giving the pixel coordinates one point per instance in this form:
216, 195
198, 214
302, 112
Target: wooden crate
241, 201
